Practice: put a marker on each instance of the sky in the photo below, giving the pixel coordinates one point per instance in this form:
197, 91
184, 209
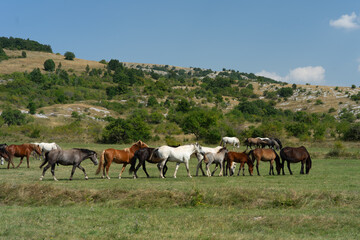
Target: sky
315, 42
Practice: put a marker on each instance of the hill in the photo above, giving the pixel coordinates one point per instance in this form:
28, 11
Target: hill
166, 98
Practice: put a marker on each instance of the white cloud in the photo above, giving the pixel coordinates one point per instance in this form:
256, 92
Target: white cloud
310, 74
307, 74
346, 21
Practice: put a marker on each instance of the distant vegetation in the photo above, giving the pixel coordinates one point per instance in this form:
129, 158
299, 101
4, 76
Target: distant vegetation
22, 44
163, 102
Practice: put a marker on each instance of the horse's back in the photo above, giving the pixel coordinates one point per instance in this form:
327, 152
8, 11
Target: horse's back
294, 154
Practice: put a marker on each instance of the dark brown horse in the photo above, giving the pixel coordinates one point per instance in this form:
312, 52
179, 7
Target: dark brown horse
238, 157
21, 151
118, 156
144, 154
266, 155
295, 155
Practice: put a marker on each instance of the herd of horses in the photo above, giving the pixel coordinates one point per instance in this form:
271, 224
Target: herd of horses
140, 152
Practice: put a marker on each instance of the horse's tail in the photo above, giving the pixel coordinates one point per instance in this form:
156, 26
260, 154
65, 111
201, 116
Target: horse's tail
279, 142
45, 160
251, 154
308, 164
101, 164
133, 162
221, 142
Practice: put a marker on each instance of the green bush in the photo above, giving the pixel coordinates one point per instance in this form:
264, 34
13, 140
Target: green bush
285, 92
69, 56
13, 117
49, 65
353, 133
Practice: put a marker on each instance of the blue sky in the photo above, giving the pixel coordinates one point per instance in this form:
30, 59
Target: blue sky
316, 42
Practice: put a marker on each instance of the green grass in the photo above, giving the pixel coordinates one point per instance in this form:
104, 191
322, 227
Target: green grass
322, 205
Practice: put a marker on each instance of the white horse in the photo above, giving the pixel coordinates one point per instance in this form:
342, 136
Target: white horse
231, 140
200, 157
217, 158
47, 147
179, 155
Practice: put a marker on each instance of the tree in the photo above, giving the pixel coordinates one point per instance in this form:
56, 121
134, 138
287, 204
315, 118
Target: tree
32, 107
353, 133
152, 101
69, 56
285, 92
126, 131
13, 117
3, 55
49, 65
36, 76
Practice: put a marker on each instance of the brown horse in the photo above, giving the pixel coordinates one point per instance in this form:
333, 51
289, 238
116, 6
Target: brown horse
249, 142
119, 156
295, 155
21, 151
266, 155
239, 157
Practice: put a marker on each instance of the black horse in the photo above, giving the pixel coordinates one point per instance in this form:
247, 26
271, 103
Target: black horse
144, 154
4, 153
295, 155
68, 157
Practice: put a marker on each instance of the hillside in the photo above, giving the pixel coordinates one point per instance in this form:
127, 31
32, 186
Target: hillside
165, 97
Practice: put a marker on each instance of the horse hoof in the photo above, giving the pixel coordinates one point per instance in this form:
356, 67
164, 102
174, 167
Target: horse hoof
41, 179
86, 178
108, 178
119, 177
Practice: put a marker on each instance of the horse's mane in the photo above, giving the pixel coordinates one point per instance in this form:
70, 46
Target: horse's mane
87, 151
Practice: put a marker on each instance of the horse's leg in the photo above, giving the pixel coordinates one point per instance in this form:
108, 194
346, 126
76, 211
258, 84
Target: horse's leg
20, 162
107, 169
160, 166
221, 169
176, 169
288, 165
27, 161
188, 169
282, 166
122, 170
216, 167
44, 170
200, 166
72, 171
53, 171
241, 164
144, 168
83, 169
257, 167
302, 167
271, 167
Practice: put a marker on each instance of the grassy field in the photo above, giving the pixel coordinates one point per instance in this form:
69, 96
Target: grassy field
322, 205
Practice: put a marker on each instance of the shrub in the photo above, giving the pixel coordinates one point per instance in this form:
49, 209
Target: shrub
285, 92
3, 55
13, 117
353, 133
49, 65
23, 54
69, 56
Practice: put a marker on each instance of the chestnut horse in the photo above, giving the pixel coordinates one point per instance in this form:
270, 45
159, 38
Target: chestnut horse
239, 157
266, 155
21, 151
118, 156
295, 155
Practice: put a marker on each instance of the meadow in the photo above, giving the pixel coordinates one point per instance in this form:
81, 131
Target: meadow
322, 205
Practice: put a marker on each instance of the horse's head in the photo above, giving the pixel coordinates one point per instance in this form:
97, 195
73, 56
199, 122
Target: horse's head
141, 144
93, 158
198, 148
